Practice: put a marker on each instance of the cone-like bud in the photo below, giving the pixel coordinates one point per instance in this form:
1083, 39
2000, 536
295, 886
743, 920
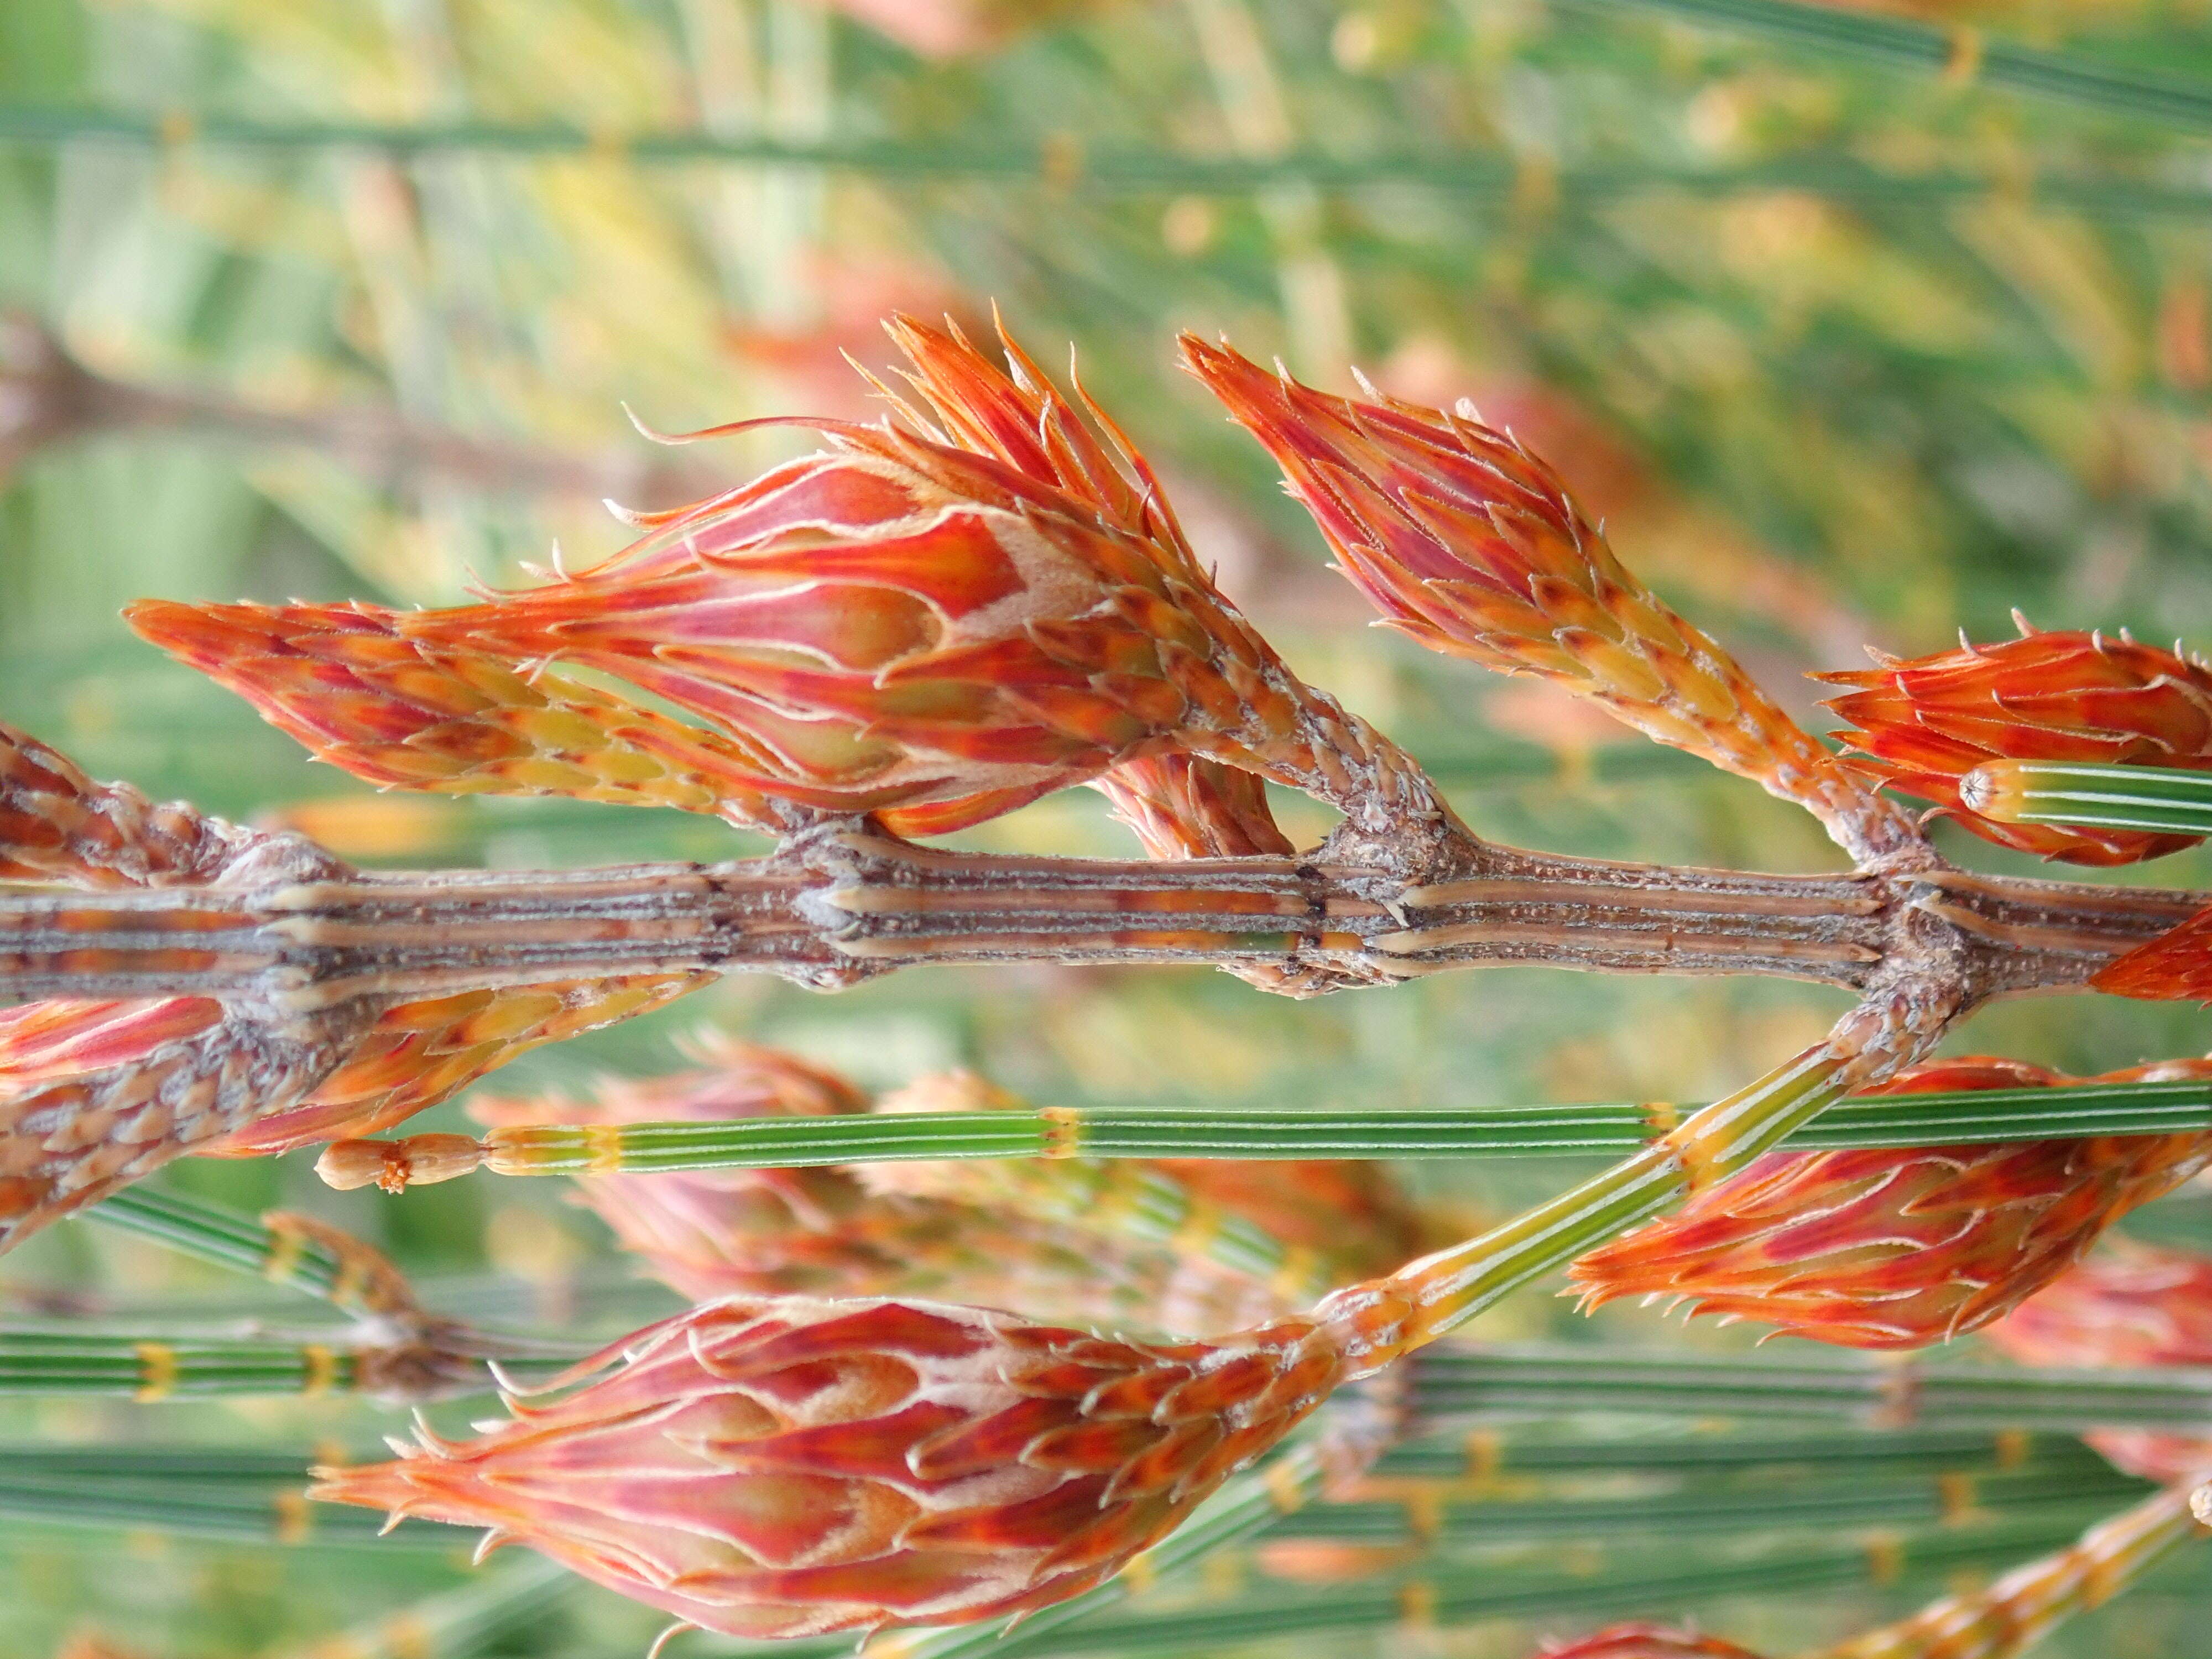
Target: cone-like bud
406, 714
2127, 1305
1897, 1248
95, 1094
1925, 723
1182, 807
1464, 541
796, 1466
1645, 1642
57, 824
421, 1053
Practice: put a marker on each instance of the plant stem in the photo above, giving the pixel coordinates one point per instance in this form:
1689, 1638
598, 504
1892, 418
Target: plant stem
1453, 1382
230, 1238
2026, 1605
1448, 1289
1482, 1455
1118, 171
833, 908
1486, 1591
1961, 52
1947, 1499
47, 1360
1987, 1116
2155, 798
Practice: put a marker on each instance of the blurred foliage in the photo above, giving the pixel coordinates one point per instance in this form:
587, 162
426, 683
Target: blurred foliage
1814, 417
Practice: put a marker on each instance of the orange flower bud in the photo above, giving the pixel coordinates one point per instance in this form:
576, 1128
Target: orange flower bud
796, 1466
1897, 1248
95, 1094
404, 714
1464, 541
2175, 967
1646, 1642
2128, 1304
421, 1053
57, 824
1925, 723
1182, 807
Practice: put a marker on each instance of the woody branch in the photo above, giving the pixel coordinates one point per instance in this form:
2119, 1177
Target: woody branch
832, 907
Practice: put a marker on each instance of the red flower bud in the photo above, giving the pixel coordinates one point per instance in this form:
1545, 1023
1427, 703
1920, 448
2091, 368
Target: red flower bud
1925, 723
421, 1053
796, 1466
1646, 1642
1897, 1248
2128, 1304
1182, 807
1464, 541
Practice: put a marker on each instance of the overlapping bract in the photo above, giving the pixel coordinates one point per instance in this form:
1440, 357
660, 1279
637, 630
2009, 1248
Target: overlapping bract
1466, 543
797, 1466
2128, 1304
1899, 1248
1925, 723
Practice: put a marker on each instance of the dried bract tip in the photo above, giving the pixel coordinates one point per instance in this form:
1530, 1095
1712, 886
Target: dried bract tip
396, 1165
1464, 541
1929, 724
1896, 1248
797, 1466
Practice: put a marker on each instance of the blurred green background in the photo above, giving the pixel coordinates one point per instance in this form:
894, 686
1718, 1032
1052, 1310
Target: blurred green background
1958, 360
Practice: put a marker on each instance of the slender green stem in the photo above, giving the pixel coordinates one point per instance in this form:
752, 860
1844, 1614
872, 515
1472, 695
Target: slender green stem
1945, 1500
1449, 1288
1962, 53
1141, 1132
2166, 800
1488, 1591
1452, 1382
1120, 171
49, 1360
1483, 1455
229, 1238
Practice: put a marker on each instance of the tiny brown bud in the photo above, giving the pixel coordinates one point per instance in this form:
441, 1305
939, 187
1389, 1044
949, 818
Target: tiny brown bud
396, 1165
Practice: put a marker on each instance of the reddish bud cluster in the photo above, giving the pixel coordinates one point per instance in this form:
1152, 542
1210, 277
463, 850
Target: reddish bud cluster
1897, 1248
1464, 541
1925, 723
798, 1466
